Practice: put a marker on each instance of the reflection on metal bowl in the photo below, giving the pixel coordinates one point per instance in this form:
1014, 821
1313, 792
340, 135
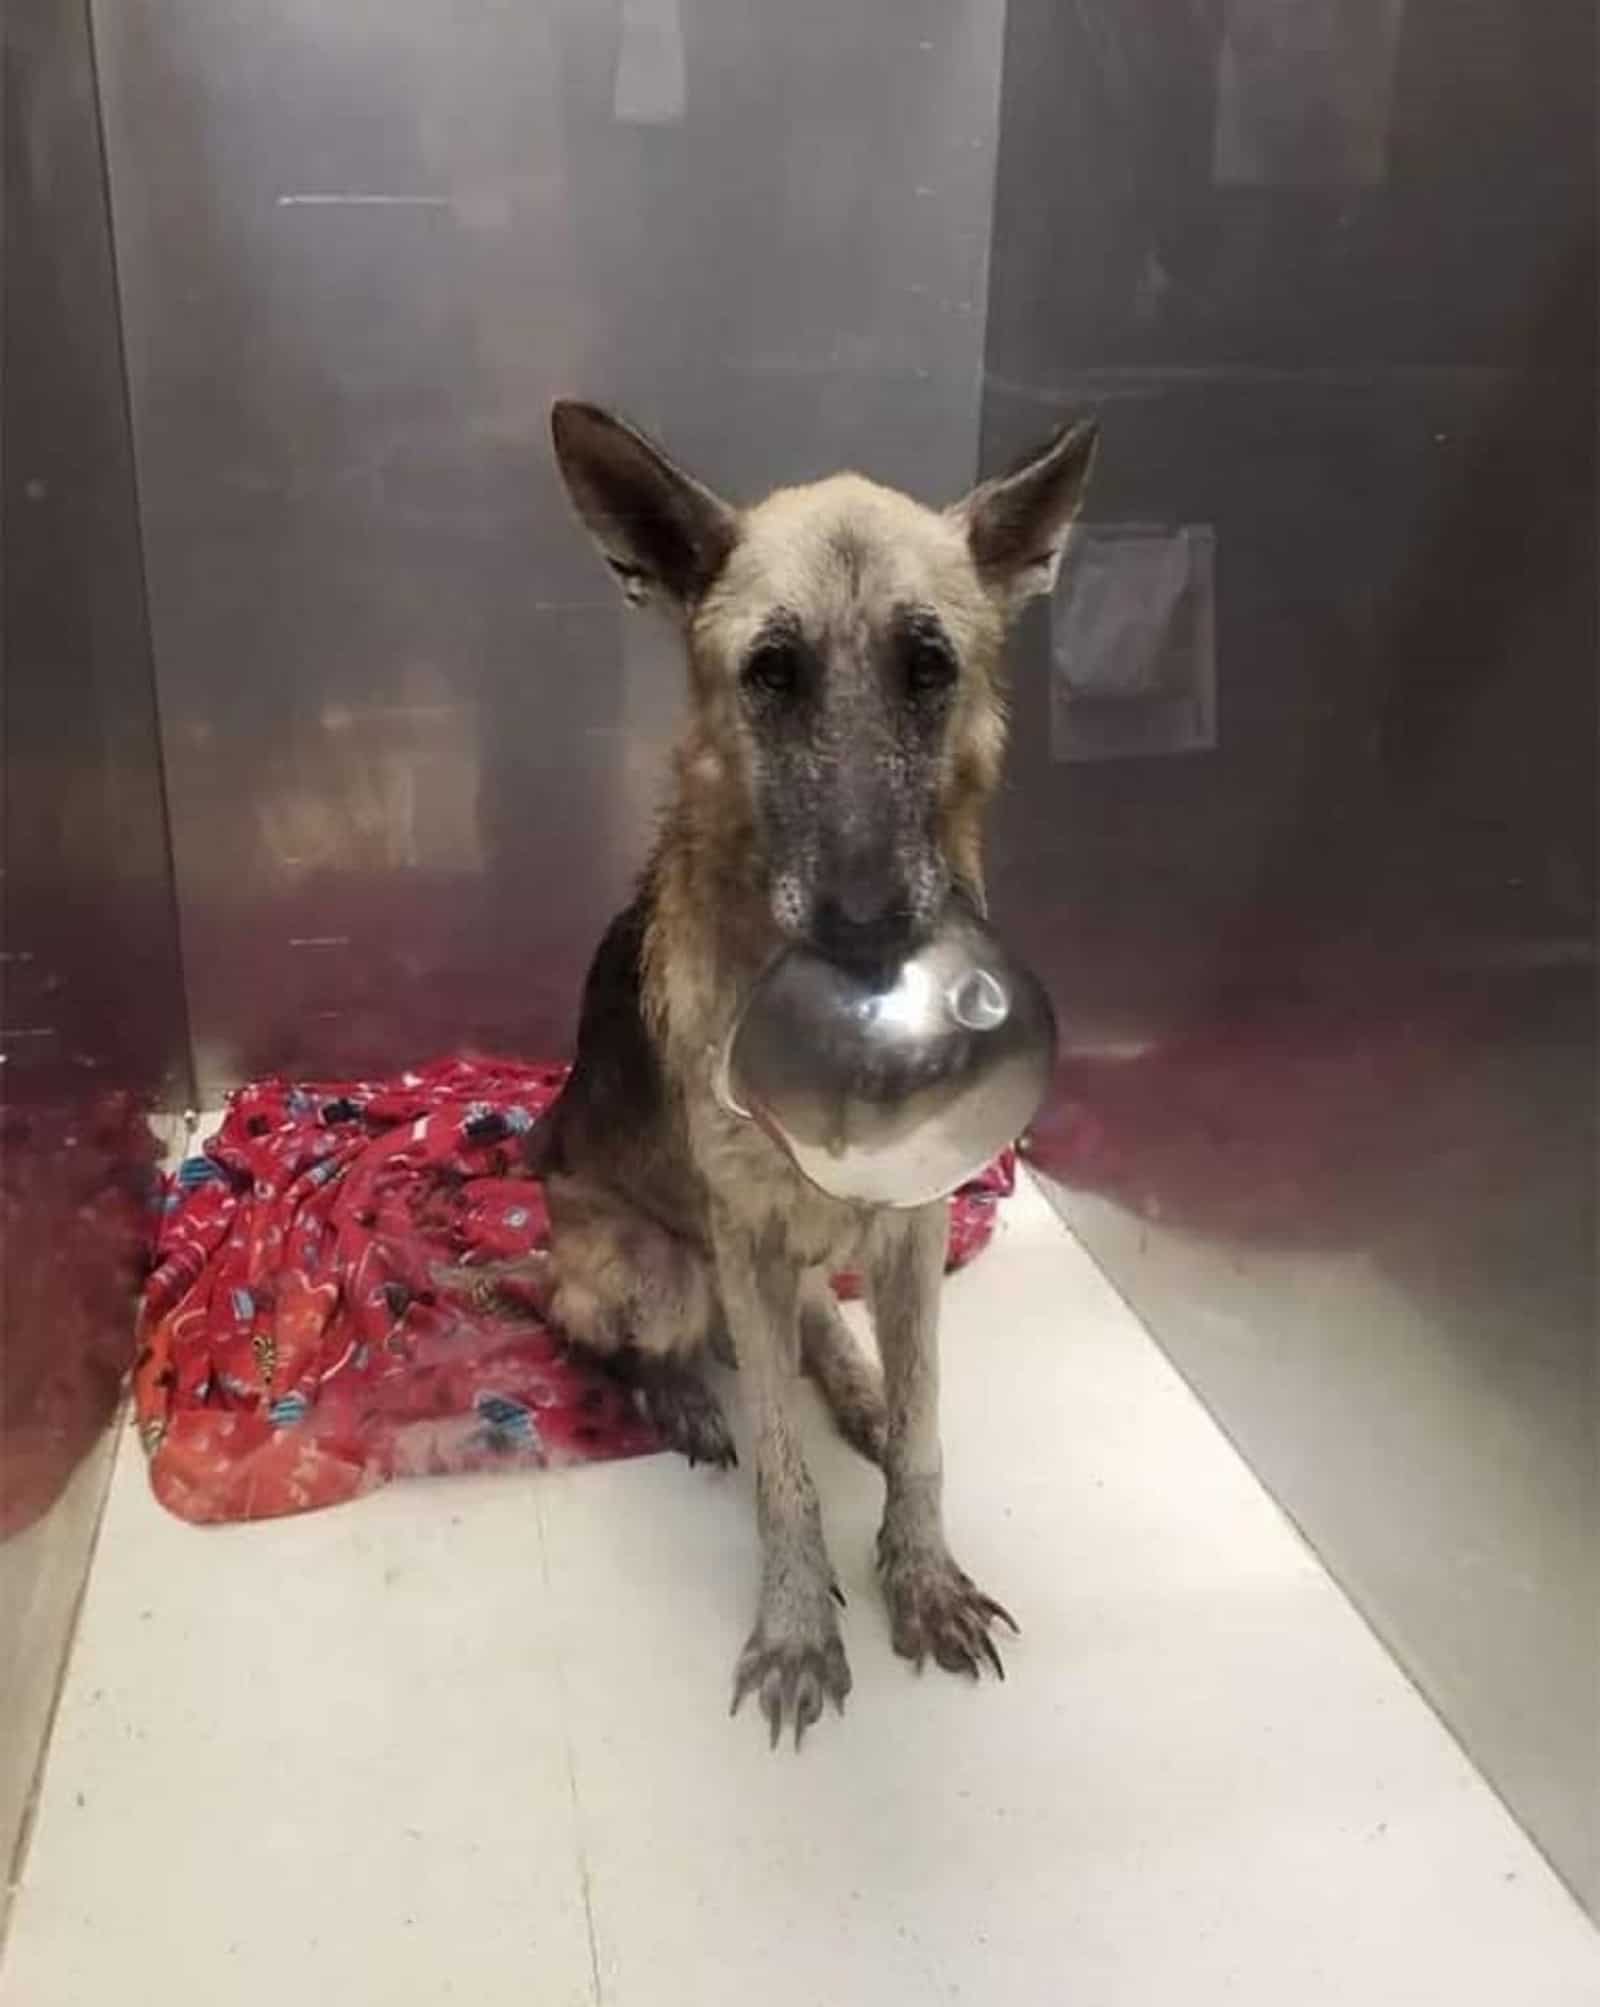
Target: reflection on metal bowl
893, 1089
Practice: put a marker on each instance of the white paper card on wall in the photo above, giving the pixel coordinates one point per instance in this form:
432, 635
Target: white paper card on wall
1132, 643
1303, 92
651, 86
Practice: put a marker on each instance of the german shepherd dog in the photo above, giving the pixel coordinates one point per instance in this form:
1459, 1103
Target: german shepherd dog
846, 728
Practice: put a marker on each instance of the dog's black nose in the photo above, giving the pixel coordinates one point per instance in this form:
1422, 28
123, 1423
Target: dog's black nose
863, 932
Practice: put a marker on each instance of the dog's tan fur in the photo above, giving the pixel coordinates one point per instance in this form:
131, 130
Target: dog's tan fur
676, 1225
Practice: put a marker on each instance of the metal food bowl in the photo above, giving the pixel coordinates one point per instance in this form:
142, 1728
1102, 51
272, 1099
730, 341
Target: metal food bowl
893, 1090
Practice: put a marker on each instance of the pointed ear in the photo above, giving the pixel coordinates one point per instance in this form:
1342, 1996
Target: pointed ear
663, 534
1017, 524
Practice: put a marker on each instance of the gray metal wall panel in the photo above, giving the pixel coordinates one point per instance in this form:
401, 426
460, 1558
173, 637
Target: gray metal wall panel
413, 745
1328, 272
91, 1004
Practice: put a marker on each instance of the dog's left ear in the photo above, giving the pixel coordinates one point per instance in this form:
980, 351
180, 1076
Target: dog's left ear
1017, 523
661, 532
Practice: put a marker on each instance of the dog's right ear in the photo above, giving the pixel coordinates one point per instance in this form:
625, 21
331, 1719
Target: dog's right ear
661, 532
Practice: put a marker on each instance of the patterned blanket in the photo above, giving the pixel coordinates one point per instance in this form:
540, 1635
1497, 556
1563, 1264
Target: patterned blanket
295, 1349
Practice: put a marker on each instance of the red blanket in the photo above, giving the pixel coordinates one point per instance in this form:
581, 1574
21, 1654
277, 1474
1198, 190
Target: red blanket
295, 1347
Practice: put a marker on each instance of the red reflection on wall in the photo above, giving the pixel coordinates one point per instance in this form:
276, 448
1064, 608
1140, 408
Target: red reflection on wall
1273, 1130
77, 1186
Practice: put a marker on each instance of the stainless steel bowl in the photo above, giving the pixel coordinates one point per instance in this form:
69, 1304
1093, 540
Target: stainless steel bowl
893, 1091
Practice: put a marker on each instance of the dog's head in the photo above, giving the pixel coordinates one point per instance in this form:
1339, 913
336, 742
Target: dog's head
844, 647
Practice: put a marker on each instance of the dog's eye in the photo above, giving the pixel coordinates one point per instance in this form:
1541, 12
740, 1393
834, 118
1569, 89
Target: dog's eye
930, 667
773, 669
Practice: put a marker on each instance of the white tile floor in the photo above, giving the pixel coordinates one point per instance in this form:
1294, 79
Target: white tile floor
468, 1740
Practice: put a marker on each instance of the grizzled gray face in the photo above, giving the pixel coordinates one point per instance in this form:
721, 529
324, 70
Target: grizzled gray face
848, 723
844, 646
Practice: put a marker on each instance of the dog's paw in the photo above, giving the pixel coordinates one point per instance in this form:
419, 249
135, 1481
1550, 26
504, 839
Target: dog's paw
690, 1420
793, 1669
936, 1611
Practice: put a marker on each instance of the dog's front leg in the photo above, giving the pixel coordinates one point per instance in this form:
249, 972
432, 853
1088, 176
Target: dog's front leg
933, 1607
794, 1659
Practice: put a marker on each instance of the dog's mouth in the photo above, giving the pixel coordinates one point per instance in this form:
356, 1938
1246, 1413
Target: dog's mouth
865, 946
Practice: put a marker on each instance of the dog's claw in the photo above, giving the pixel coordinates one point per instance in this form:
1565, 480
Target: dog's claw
935, 1609
991, 1608
807, 1708
791, 1680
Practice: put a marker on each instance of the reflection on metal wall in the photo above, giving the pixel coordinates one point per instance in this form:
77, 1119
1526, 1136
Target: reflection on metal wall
91, 1007
412, 745
1328, 273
